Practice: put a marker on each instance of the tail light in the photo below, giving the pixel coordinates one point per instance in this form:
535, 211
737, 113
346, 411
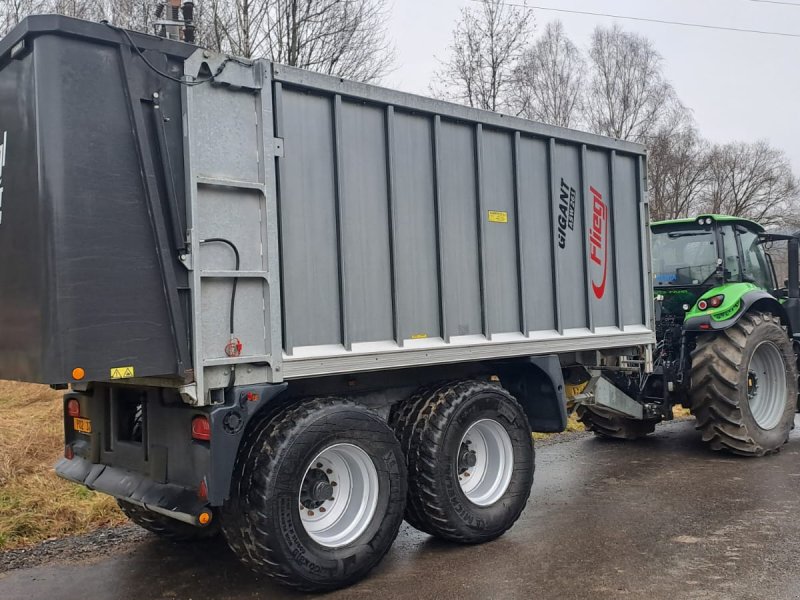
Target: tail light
713, 302
201, 428
73, 408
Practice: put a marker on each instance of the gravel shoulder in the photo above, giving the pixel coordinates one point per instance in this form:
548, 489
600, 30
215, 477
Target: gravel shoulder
91, 546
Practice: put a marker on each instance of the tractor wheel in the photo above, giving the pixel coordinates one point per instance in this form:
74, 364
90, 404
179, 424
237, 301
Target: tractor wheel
167, 528
744, 386
470, 459
607, 424
319, 495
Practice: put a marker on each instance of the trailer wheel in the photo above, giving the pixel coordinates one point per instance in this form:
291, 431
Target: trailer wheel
167, 528
607, 424
744, 386
319, 495
470, 459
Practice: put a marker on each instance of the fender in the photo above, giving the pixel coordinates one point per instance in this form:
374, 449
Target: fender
537, 382
754, 299
229, 422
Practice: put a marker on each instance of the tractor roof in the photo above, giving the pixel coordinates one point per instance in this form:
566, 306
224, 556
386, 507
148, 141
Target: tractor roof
719, 218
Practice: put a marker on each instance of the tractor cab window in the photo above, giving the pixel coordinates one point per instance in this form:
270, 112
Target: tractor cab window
754, 262
684, 256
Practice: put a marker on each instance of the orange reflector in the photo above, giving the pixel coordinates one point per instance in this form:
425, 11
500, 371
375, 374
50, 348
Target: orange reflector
201, 428
204, 518
73, 408
69, 454
78, 373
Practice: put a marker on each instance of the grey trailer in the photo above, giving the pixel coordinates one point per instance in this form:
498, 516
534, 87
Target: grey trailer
295, 309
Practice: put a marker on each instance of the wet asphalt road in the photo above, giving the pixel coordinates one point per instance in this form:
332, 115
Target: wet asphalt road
659, 518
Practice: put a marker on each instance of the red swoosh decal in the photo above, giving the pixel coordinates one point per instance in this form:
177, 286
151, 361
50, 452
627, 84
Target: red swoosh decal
600, 290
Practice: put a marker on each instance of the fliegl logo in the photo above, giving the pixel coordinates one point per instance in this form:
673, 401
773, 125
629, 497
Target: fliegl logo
3, 150
598, 243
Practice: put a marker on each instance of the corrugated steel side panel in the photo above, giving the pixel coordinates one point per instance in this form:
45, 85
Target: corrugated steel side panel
410, 223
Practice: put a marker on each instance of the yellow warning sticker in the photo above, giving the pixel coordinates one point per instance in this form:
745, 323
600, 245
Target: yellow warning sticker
498, 216
419, 336
122, 372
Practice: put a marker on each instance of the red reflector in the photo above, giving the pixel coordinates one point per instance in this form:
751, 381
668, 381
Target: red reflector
68, 452
705, 326
73, 408
252, 397
201, 428
202, 490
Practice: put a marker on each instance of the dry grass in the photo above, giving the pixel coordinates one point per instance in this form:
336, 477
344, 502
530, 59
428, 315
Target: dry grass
679, 412
572, 425
35, 504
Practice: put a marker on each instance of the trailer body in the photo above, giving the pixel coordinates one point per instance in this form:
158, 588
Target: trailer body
376, 229
196, 243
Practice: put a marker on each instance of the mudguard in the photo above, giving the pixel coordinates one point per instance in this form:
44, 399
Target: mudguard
739, 299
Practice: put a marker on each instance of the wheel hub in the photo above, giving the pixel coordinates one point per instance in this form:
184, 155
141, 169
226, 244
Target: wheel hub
752, 384
338, 495
485, 462
467, 460
316, 489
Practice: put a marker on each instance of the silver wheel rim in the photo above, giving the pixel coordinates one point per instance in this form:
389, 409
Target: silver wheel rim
485, 462
766, 385
338, 495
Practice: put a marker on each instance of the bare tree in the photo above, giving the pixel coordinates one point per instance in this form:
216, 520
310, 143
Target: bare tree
136, 15
629, 97
346, 38
488, 41
754, 181
130, 14
549, 80
678, 172
13, 11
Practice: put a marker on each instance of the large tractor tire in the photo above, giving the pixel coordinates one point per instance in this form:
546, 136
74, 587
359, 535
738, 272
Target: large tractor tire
744, 386
470, 459
318, 497
610, 425
166, 527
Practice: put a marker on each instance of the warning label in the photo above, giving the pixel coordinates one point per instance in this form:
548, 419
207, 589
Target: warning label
122, 372
498, 216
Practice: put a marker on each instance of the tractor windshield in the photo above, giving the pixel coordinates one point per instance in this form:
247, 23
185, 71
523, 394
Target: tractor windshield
684, 257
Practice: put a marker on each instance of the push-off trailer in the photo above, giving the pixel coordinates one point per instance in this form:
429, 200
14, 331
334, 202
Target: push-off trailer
300, 309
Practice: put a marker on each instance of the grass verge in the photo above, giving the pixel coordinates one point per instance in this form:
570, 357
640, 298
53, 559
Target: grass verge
35, 505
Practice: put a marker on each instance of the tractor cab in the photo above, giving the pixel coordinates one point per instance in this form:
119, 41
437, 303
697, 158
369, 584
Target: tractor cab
709, 251
703, 267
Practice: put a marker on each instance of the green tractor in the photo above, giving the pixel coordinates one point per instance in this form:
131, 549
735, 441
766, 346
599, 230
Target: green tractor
726, 334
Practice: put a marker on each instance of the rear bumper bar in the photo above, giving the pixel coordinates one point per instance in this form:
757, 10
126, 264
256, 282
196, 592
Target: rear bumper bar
168, 499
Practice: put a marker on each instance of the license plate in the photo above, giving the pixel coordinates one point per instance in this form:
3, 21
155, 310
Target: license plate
82, 425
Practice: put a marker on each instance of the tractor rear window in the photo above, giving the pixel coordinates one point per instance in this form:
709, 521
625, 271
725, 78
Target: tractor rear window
684, 257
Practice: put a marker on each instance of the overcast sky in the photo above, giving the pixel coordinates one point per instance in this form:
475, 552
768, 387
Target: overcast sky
740, 86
